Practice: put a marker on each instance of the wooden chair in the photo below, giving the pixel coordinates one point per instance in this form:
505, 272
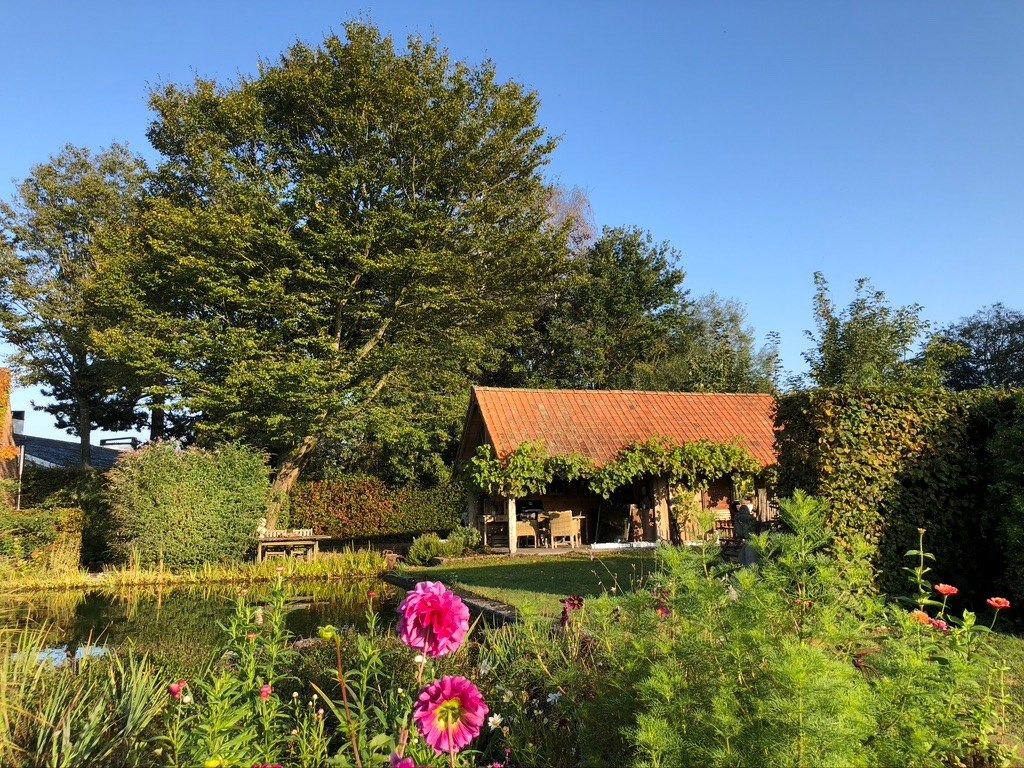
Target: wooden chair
528, 529
565, 527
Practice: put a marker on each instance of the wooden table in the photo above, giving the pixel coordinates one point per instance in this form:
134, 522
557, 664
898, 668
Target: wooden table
306, 547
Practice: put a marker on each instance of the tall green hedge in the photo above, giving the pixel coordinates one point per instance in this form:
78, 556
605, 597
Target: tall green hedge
186, 507
361, 506
890, 461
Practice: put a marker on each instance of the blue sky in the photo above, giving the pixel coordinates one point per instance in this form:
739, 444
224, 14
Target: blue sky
763, 140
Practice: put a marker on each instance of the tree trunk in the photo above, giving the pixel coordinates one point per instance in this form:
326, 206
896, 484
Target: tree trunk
287, 474
157, 419
84, 434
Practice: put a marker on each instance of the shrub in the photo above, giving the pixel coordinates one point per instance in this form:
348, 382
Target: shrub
50, 537
186, 507
429, 546
789, 663
360, 506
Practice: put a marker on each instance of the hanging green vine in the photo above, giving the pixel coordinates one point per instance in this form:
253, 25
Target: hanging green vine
529, 469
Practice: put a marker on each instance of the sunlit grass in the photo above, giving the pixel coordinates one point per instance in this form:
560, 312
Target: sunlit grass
536, 585
334, 566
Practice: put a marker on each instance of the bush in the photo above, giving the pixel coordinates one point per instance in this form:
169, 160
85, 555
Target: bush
429, 546
49, 537
360, 506
186, 507
890, 461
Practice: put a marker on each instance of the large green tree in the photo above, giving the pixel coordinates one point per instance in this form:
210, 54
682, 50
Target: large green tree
68, 215
621, 317
351, 234
870, 342
993, 343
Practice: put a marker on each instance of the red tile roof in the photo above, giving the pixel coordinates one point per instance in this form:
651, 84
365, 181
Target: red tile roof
600, 423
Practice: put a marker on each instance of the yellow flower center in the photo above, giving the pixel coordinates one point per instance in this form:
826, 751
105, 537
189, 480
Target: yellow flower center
449, 715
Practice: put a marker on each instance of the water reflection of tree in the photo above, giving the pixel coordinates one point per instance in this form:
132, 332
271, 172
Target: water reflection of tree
180, 628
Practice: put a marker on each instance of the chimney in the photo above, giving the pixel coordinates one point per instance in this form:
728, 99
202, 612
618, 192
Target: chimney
18, 422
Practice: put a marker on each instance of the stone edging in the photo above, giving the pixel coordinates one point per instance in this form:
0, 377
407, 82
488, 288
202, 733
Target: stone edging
492, 612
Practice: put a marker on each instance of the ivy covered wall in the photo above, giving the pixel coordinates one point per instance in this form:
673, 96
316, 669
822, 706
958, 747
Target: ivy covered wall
888, 461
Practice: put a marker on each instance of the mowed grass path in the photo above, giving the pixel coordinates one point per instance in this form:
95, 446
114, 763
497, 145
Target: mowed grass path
536, 585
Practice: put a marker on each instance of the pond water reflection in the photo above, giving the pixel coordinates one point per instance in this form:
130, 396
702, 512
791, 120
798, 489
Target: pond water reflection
180, 626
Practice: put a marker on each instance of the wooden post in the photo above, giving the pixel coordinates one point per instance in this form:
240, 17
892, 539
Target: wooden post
660, 496
510, 512
472, 508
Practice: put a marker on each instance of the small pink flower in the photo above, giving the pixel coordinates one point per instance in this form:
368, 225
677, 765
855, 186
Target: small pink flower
402, 762
175, 689
664, 611
433, 619
939, 624
946, 590
449, 714
371, 594
265, 691
998, 603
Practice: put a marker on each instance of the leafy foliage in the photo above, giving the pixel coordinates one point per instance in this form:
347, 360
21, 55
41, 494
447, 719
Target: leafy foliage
993, 338
870, 342
184, 508
347, 237
790, 662
50, 537
71, 213
429, 546
619, 317
361, 506
529, 469
889, 461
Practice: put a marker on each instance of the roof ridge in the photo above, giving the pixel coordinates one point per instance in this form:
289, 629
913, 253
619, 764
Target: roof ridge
478, 387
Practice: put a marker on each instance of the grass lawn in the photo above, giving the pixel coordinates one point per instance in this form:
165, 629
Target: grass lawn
535, 585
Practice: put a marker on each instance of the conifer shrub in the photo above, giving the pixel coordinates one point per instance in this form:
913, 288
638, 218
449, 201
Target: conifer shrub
362, 506
186, 507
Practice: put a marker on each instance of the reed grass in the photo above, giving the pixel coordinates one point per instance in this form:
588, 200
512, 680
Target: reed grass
351, 564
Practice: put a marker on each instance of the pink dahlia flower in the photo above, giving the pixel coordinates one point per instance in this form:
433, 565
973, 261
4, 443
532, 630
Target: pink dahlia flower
433, 619
450, 713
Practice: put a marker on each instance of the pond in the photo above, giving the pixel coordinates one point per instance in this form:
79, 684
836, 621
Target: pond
180, 626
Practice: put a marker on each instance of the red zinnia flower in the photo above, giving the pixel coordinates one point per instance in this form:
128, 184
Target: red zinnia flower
946, 590
999, 603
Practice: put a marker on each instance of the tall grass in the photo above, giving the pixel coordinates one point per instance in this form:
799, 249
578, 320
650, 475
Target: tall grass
351, 564
92, 711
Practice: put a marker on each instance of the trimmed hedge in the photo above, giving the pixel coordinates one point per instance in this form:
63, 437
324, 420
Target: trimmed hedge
186, 507
887, 462
362, 506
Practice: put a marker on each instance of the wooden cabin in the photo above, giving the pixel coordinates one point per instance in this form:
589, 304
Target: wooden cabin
599, 424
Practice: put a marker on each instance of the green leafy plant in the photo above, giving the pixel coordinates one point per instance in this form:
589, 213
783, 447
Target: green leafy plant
184, 508
360, 506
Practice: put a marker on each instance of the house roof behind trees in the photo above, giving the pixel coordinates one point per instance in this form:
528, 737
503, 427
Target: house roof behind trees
47, 452
598, 424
